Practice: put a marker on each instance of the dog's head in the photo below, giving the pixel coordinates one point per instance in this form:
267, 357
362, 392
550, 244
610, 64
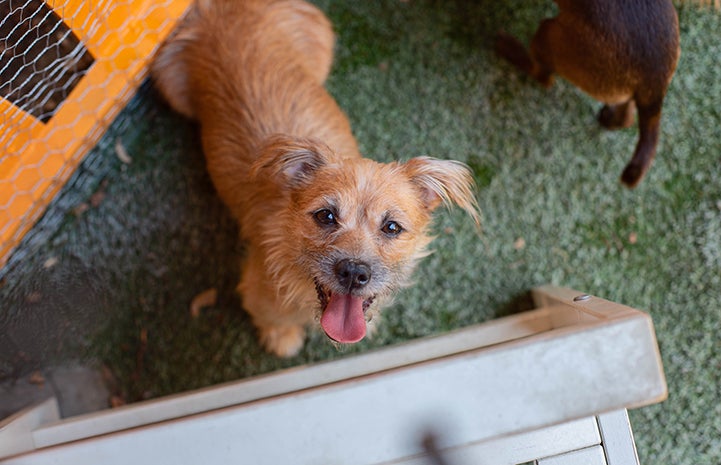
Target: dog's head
353, 228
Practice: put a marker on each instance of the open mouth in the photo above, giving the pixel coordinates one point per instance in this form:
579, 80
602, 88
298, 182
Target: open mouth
343, 315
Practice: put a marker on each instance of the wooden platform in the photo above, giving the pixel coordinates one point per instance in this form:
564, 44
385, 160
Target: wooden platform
550, 385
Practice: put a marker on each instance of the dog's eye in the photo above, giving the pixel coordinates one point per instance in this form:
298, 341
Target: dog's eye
392, 228
325, 217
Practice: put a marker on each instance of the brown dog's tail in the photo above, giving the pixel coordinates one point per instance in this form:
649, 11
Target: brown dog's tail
649, 125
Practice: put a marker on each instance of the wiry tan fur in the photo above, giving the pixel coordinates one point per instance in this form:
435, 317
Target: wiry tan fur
279, 150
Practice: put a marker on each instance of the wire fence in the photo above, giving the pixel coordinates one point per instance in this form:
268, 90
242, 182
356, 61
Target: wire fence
67, 67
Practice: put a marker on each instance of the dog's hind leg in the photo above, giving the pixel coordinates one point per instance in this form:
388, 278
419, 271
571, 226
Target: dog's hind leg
537, 62
618, 116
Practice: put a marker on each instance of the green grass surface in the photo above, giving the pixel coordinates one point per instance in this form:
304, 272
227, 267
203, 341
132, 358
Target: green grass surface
113, 282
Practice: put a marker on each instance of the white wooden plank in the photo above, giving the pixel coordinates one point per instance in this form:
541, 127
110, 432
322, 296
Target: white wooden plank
552, 377
562, 315
16, 430
517, 448
547, 296
617, 438
588, 456
303, 377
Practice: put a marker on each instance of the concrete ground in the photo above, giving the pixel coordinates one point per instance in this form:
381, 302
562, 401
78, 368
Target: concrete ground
78, 389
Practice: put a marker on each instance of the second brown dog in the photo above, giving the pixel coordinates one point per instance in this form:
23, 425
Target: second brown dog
330, 235
621, 52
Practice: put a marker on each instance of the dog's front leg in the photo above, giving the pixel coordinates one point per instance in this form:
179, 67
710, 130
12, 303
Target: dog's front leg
280, 329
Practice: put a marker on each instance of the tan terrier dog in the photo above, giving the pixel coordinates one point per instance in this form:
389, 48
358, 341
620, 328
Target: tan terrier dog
330, 235
621, 52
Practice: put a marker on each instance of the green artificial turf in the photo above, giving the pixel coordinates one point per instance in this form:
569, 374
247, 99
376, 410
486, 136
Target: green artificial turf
112, 281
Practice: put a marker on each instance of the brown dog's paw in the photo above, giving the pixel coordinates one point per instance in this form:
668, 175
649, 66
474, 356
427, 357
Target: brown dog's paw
283, 341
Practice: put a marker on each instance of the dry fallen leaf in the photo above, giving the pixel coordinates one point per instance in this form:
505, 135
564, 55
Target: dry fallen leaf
121, 153
80, 209
99, 195
204, 299
50, 262
37, 378
519, 243
34, 297
116, 401
632, 238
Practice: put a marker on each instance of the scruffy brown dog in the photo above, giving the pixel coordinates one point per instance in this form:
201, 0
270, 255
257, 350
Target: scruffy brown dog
621, 52
330, 235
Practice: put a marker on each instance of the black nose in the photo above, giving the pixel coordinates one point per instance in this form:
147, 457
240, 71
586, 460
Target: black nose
352, 274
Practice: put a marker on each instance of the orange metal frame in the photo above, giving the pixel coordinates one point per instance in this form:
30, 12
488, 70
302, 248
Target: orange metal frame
122, 40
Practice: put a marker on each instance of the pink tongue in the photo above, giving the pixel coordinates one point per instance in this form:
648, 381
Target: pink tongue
343, 319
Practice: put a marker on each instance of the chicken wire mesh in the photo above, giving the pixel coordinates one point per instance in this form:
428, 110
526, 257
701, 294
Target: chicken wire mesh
67, 67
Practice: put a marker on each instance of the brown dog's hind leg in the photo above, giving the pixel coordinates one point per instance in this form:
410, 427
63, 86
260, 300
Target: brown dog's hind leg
513, 51
649, 124
532, 63
617, 116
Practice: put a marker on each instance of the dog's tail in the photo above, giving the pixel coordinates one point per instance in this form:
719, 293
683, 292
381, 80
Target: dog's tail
649, 125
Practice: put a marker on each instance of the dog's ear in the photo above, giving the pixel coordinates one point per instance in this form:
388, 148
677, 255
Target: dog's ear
444, 182
291, 160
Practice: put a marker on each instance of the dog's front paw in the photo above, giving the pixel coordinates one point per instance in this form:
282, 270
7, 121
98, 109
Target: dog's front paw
283, 341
